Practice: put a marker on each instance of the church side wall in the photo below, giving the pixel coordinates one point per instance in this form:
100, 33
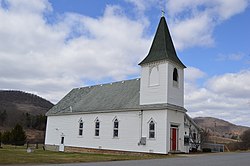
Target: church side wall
129, 131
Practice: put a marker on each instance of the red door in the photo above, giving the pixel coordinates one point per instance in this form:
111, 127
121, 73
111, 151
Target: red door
174, 135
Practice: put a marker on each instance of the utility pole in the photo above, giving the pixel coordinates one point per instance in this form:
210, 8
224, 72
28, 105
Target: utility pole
214, 132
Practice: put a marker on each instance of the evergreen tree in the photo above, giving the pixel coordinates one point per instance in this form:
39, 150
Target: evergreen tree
3, 117
28, 120
18, 135
6, 137
39, 122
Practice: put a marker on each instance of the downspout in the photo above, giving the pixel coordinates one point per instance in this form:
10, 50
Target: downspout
141, 121
141, 117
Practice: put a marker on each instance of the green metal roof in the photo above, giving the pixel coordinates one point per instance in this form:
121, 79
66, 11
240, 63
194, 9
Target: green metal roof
162, 47
111, 97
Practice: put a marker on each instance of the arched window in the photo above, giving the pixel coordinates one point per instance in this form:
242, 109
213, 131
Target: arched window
151, 129
194, 136
115, 129
97, 127
154, 76
175, 77
80, 128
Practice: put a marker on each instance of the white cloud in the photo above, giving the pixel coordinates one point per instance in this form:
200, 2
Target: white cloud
192, 74
112, 49
140, 4
27, 6
219, 9
225, 96
192, 22
52, 58
228, 8
231, 84
196, 31
143, 5
231, 57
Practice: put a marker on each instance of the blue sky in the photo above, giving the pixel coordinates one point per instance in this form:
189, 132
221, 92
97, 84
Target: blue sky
48, 47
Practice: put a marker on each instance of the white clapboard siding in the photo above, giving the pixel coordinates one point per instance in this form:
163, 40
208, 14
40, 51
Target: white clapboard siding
129, 131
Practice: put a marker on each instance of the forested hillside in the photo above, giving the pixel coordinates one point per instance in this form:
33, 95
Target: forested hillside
221, 130
23, 108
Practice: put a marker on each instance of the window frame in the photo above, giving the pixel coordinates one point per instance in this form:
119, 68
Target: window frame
175, 77
194, 136
80, 128
115, 128
97, 128
150, 130
154, 73
186, 140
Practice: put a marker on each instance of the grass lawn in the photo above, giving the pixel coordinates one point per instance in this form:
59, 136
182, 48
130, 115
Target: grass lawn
19, 155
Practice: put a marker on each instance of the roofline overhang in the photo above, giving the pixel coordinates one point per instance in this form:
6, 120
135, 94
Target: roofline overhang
164, 60
144, 108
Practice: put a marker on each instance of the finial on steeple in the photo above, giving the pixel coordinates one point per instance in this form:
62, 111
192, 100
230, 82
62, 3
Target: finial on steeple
162, 12
162, 8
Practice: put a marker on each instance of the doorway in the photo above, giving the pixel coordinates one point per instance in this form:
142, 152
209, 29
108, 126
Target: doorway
61, 146
174, 135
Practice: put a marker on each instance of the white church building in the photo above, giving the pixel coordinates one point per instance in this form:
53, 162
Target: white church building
140, 115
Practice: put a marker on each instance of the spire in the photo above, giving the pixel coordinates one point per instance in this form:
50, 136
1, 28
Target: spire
162, 47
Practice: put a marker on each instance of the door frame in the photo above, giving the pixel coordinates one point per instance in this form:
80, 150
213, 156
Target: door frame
174, 144
61, 145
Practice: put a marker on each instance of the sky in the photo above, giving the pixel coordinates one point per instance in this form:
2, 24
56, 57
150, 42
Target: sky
48, 47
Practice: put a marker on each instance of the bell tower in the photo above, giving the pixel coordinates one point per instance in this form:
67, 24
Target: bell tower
162, 72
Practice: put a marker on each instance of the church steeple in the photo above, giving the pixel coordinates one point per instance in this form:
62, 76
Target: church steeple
162, 72
162, 47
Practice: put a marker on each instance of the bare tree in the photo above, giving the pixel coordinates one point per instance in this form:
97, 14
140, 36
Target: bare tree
245, 137
204, 136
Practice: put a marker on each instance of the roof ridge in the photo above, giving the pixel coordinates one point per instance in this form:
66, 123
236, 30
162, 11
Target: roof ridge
110, 83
